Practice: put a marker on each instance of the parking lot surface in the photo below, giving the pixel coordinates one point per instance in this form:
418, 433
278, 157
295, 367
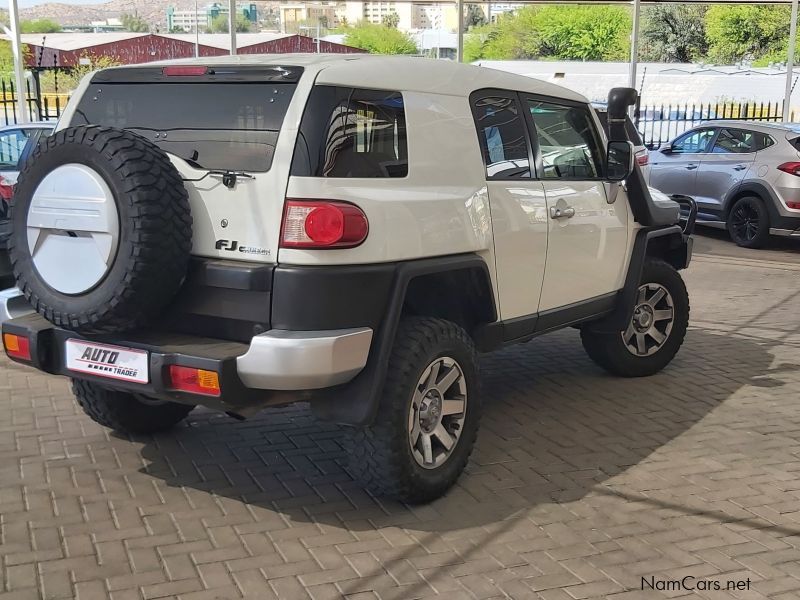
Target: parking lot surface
581, 486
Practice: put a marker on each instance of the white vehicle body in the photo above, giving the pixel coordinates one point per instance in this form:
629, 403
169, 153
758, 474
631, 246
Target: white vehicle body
440, 208
344, 230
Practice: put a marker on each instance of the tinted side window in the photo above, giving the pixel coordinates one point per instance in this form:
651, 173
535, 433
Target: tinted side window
501, 132
352, 133
12, 144
567, 141
739, 141
694, 142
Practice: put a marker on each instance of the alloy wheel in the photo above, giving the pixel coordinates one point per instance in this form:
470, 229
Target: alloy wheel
745, 222
651, 322
437, 412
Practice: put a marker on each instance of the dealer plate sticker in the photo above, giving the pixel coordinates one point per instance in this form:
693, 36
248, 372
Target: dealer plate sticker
113, 362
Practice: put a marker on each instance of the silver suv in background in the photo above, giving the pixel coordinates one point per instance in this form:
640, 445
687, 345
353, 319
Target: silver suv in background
744, 176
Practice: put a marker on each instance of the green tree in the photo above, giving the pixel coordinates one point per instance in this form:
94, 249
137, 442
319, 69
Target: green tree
379, 39
673, 33
7, 59
746, 32
560, 32
391, 20
219, 24
39, 26
134, 23
67, 81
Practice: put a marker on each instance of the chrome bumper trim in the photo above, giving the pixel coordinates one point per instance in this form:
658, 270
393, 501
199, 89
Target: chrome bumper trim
304, 360
13, 304
784, 232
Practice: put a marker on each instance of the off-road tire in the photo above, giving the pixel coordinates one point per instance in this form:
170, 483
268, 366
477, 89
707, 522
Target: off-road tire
379, 454
755, 207
155, 230
610, 352
123, 412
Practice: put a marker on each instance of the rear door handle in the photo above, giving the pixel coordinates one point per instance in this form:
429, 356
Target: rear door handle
691, 167
739, 167
562, 213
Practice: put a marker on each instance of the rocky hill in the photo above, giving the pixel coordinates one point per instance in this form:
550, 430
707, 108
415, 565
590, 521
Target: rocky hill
152, 11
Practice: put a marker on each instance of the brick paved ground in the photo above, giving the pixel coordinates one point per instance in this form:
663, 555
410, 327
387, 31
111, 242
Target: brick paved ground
581, 484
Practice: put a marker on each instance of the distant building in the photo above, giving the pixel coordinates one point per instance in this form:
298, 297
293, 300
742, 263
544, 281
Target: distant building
435, 16
292, 16
495, 10
436, 43
409, 16
376, 12
108, 25
189, 20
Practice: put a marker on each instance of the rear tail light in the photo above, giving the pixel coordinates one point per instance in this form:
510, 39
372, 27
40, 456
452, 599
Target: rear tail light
643, 159
184, 71
6, 189
194, 381
323, 224
17, 346
795, 205
792, 168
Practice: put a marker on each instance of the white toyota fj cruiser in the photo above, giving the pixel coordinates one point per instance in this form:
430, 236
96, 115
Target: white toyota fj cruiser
241, 232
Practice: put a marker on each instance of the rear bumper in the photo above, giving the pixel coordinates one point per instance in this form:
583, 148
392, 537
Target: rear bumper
277, 367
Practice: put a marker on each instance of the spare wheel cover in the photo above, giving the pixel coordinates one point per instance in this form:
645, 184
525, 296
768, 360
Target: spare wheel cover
73, 228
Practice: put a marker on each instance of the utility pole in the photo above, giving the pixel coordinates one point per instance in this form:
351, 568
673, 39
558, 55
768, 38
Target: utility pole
196, 31
460, 50
634, 44
787, 96
232, 24
16, 49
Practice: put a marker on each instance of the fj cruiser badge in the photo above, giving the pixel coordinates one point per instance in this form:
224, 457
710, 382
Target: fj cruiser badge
233, 246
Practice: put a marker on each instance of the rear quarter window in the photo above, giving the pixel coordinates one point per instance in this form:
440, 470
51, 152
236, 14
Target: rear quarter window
348, 132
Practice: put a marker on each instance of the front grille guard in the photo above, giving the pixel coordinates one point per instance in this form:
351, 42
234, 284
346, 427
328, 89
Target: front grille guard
688, 212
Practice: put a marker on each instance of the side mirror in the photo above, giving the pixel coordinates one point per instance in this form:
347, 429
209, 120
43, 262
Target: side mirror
619, 160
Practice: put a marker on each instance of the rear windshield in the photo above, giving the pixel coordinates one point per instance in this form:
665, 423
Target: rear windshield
348, 132
219, 126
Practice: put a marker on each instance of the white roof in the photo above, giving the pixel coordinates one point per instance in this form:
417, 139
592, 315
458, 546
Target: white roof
223, 40
675, 83
75, 41
403, 73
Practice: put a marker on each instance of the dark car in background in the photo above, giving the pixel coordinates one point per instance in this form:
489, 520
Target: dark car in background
16, 144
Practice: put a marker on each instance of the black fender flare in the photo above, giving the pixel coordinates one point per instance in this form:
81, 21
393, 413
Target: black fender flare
356, 402
755, 188
667, 243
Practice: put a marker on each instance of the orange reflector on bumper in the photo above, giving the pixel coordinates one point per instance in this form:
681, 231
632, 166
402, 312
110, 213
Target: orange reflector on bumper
194, 381
17, 346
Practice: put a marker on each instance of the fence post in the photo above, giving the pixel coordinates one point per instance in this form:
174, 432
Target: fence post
13, 100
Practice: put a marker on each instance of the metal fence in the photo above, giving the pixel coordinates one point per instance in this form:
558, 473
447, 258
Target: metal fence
661, 124
41, 107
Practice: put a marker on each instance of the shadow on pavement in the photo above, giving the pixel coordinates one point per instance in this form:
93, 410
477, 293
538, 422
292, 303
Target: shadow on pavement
554, 426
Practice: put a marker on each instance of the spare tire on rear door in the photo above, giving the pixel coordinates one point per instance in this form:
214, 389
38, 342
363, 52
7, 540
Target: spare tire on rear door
102, 230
